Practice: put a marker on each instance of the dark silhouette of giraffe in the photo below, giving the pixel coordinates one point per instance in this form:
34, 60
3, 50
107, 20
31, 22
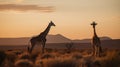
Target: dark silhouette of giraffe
96, 43
41, 38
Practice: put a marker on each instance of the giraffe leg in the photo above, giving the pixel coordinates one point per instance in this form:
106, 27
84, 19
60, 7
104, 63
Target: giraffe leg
28, 48
100, 50
96, 51
32, 46
31, 49
93, 50
43, 47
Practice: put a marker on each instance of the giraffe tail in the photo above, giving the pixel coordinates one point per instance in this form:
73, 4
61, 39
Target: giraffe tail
28, 48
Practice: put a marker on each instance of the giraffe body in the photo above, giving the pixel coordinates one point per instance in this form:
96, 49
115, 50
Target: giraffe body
40, 39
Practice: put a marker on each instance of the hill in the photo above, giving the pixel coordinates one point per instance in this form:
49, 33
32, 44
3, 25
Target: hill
50, 39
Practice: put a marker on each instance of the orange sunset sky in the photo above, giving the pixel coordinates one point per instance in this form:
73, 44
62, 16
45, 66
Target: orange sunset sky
26, 18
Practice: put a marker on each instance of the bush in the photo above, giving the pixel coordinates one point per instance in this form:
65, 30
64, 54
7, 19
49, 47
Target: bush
24, 56
24, 63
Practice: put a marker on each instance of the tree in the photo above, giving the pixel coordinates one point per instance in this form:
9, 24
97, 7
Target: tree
69, 46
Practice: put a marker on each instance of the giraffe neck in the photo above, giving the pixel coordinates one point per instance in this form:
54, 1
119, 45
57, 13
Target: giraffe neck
47, 30
95, 32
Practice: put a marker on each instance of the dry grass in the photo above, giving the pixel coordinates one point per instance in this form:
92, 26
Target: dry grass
60, 58
112, 59
60, 62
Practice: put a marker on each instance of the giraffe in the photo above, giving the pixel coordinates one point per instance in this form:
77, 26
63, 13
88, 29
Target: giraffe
96, 43
40, 39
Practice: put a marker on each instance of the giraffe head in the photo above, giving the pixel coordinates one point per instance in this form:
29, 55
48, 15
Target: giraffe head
52, 24
93, 24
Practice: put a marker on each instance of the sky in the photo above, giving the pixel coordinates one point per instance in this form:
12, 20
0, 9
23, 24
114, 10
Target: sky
27, 18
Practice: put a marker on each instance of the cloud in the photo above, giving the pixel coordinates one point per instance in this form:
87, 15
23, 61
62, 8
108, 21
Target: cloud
18, 7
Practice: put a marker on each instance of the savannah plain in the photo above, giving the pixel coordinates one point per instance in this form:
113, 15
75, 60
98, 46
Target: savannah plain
61, 55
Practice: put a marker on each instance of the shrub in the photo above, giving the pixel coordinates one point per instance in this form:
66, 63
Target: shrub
24, 56
77, 56
47, 55
2, 56
69, 46
39, 63
24, 63
11, 57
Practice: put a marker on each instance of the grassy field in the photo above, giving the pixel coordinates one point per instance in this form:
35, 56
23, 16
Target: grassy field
59, 58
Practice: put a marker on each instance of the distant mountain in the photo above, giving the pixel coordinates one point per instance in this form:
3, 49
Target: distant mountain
25, 40
88, 40
50, 39
57, 39
105, 38
14, 41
